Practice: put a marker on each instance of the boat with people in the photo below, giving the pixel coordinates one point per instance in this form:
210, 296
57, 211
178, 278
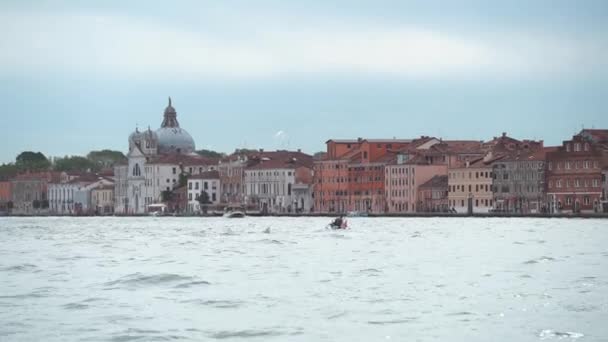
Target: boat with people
338, 223
234, 212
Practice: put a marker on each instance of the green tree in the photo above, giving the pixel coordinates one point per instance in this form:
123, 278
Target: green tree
183, 180
32, 161
166, 196
75, 163
203, 200
8, 171
210, 154
106, 158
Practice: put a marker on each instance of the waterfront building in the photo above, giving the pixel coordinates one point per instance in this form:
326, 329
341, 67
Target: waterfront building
29, 192
351, 175
518, 182
102, 199
208, 182
158, 161
574, 173
270, 178
470, 186
433, 195
604, 198
5, 196
403, 182
71, 195
232, 174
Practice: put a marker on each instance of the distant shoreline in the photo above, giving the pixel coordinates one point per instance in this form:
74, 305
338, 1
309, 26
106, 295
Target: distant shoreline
384, 215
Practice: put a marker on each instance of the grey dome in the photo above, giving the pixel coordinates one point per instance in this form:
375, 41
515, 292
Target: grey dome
174, 140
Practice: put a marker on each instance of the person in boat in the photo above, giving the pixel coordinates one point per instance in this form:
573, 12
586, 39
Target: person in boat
339, 222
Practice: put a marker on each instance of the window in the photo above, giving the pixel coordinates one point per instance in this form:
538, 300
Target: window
577, 147
567, 165
205, 185
190, 196
567, 147
168, 181
595, 183
586, 146
174, 170
577, 183
586, 200
586, 164
189, 185
568, 200
196, 185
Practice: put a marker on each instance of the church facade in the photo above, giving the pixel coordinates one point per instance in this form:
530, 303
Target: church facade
156, 160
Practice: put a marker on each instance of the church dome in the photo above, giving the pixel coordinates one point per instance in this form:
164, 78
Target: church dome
171, 137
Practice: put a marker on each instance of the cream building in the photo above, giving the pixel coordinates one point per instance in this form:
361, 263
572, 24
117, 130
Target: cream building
471, 186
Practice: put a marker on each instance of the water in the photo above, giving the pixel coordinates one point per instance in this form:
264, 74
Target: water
286, 279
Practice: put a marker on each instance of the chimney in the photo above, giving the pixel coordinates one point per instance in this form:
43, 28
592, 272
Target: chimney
300, 150
261, 150
359, 139
504, 134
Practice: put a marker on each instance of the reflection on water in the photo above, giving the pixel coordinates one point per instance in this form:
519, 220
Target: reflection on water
290, 279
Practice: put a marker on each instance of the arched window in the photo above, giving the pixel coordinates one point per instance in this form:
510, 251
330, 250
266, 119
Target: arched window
136, 170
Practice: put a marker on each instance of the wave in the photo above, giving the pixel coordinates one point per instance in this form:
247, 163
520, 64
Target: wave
219, 304
140, 279
220, 335
541, 259
552, 334
394, 321
20, 268
191, 284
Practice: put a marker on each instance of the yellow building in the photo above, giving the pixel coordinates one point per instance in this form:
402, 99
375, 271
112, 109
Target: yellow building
102, 199
471, 185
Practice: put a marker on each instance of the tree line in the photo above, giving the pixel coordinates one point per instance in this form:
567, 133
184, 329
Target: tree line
29, 161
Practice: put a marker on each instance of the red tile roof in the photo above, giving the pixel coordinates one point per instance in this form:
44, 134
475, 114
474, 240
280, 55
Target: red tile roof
280, 160
206, 175
438, 181
186, 160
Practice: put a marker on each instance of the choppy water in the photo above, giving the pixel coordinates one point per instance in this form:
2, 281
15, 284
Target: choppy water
157, 279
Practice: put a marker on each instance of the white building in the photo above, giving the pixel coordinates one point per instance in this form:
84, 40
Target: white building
73, 196
269, 184
208, 182
156, 159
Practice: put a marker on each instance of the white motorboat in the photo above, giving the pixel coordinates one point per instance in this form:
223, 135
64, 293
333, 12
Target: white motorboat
234, 212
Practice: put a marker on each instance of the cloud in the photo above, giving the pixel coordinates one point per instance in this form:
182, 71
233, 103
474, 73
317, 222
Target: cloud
130, 47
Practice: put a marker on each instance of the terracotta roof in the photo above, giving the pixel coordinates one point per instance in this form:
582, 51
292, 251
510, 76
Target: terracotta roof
279, 160
598, 135
206, 175
438, 181
183, 159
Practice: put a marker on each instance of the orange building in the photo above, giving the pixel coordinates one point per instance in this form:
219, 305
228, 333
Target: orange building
5, 195
351, 175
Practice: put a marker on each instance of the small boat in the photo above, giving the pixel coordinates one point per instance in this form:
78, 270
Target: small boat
333, 225
234, 212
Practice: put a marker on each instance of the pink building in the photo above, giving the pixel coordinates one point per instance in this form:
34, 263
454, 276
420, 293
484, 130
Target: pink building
402, 181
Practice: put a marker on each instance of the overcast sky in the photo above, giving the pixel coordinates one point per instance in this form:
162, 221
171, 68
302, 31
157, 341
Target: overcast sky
77, 75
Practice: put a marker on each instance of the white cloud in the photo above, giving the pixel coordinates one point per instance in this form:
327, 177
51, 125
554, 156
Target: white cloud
128, 47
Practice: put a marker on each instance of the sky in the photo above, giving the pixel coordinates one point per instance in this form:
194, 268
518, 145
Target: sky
77, 76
